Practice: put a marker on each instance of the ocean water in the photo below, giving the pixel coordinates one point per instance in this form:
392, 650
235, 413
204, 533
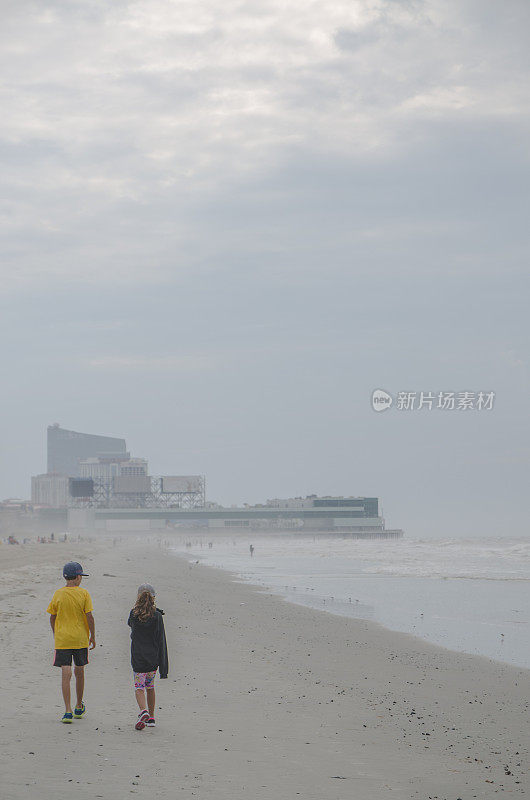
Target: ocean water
470, 595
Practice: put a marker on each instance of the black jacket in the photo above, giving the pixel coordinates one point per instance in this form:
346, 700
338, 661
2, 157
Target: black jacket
148, 644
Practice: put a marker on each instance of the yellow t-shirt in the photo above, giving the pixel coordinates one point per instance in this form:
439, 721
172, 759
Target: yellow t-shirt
71, 604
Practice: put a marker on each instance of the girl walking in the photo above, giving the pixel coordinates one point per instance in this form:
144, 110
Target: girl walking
148, 652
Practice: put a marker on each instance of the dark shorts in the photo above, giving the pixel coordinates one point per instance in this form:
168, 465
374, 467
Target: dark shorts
63, 658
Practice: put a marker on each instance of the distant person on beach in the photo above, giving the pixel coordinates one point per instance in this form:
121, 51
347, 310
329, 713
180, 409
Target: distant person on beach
73, 629
251, 550
148, 652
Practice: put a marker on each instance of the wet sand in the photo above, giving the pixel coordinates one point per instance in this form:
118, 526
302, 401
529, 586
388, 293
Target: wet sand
264, 699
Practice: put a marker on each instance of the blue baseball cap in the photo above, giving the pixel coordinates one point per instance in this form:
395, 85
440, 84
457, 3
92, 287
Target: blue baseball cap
72, 570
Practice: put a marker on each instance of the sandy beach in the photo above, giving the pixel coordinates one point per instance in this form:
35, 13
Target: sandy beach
264, 699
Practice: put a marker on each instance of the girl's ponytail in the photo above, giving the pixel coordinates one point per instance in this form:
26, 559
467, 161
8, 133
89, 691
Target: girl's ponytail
144, 608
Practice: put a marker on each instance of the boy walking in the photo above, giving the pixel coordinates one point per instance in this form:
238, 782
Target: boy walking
73, 628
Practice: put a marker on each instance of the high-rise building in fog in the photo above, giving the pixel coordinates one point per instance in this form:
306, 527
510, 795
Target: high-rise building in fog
107, 468
66, 448
49, 490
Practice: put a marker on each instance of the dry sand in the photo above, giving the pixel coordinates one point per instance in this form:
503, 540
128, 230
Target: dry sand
264, 699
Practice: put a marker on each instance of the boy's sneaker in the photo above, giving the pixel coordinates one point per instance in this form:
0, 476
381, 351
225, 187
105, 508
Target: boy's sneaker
78, 712
67, 717
143, 716
151, 722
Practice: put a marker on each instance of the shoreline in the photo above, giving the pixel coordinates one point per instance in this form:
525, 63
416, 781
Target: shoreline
291, 600
500, 637
264, 699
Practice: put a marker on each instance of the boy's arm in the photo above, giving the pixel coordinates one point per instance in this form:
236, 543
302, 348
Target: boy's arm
53, 617
92, 629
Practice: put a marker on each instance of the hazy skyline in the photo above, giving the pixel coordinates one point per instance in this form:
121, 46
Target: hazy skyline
224, 226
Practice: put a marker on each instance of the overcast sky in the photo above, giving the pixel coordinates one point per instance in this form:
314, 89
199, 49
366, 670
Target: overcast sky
225, 224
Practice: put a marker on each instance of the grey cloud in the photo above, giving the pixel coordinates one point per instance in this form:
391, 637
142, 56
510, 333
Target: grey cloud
271, 219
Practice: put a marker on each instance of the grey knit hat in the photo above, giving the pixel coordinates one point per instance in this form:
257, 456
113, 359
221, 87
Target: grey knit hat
146, 587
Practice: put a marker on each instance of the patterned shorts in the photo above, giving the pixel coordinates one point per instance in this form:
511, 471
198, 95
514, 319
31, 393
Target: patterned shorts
144, 680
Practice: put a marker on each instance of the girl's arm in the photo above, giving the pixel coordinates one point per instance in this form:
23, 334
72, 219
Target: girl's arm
163, 661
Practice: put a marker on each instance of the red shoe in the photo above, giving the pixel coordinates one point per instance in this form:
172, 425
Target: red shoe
151, 722
143, 716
